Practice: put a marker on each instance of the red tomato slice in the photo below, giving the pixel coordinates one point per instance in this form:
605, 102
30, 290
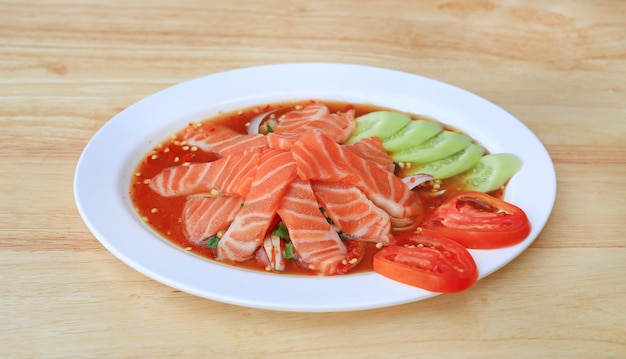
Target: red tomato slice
428, 261
479, 221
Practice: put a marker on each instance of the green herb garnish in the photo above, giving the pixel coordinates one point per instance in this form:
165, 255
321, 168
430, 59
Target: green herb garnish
212, 242
281, 231
288, 251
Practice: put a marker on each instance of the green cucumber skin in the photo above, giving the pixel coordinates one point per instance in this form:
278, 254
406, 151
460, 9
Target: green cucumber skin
438, 147
381, 124
491, 172
451, 165
411, 135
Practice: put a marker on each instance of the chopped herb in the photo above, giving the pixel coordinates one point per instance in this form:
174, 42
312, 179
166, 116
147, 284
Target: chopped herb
288, 251
241, 205
330, 221
212, 242
281, 231
269, 128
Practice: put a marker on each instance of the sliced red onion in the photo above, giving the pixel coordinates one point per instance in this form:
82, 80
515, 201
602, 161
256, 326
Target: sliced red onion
437, 194
272, 247
416, 179
255, 123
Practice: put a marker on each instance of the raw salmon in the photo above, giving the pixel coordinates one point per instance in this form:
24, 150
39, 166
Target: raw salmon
353, 212
281, 141
204, 217
222, 140
275, 172
319, 158
314, 240
231, 175
371, 149
292, 121
338, 126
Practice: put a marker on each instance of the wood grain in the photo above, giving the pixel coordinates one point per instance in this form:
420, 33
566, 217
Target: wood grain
67, 67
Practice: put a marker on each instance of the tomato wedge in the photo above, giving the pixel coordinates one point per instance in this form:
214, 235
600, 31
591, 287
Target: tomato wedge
428, 261
479, 221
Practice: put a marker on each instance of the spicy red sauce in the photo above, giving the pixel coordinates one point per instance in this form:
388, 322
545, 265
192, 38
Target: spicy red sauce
163, 214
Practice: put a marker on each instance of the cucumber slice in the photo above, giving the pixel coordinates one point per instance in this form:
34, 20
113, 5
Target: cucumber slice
380, 124
435, 148
411, 135
451, 165
491, 172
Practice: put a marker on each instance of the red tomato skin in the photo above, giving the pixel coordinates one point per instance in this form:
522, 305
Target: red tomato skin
438, 264
477, 229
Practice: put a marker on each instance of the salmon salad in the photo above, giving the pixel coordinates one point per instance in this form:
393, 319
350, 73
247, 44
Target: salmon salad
302, 186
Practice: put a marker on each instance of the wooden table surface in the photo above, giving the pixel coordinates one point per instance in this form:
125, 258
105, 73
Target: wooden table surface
67, 67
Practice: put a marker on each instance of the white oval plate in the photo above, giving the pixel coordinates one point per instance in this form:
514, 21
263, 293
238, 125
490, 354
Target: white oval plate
104, 171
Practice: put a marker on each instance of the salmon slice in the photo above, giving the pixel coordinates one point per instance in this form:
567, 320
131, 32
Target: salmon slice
319, 158
281, 141
274, 173
204, 217
222, 140
371, 149
314, 240
338, 126
292, 121
353, 212
231, 175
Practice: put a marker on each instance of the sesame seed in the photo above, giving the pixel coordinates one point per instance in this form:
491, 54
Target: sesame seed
183, 143
344, 261
194, 148
154, 157
176, 159
299, 107
166, 150
186, 163
146, 181
379, 245
187, 248
154, 210
144, 218
137, 174
214, 192
240, 112
353, 260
